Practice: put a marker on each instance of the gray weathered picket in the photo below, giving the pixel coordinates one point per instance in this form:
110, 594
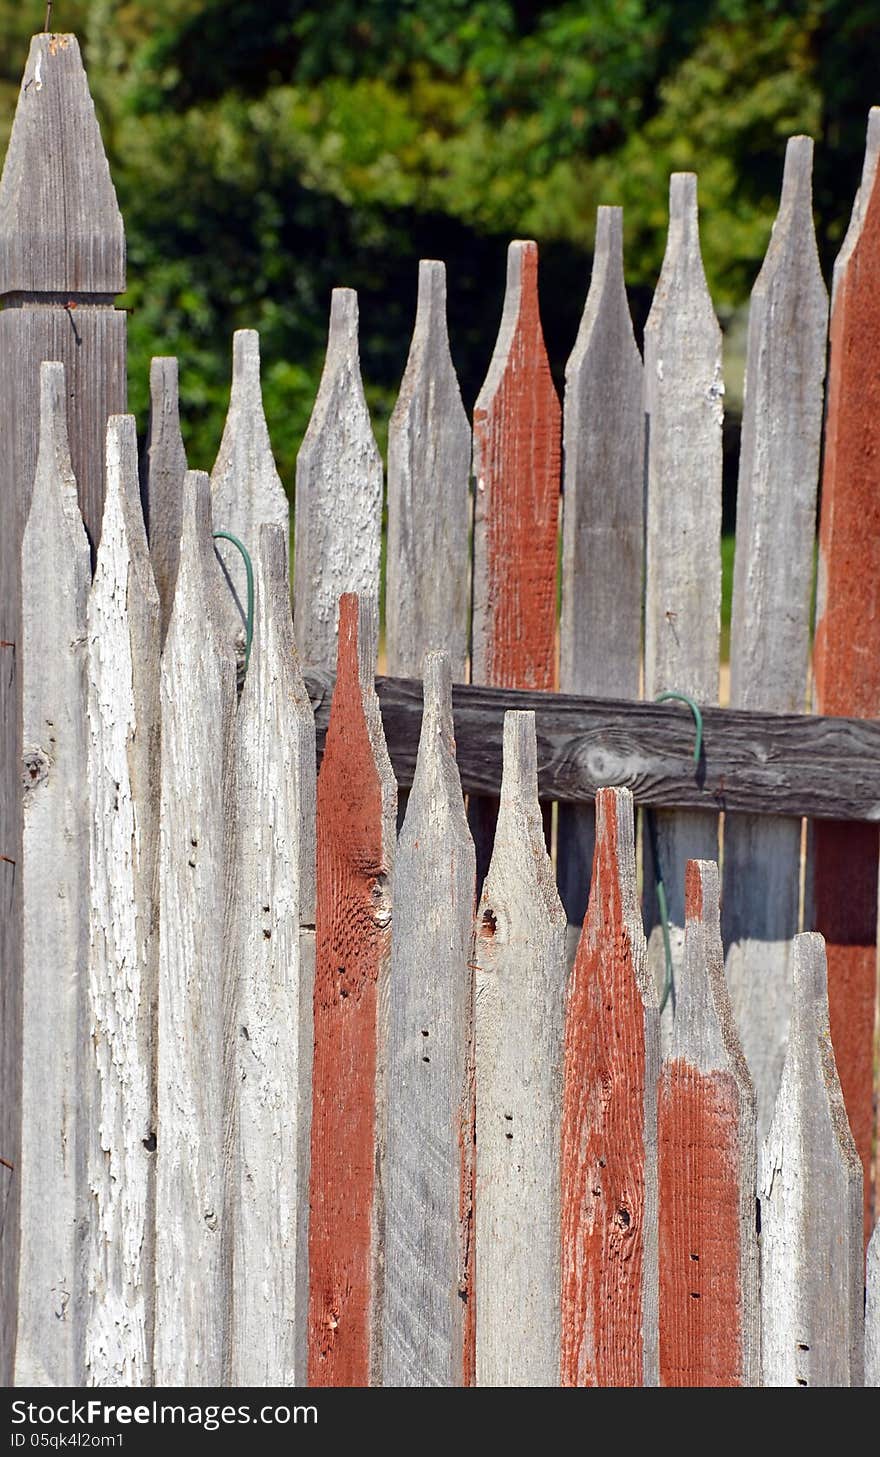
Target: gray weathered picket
519, 955
602, 525
427, 596
872, 1311
338, 493
429, 1299
810, 1189
275, 810
123, 782
683, 405
55, 879
770, 624
196, 1028
162, 469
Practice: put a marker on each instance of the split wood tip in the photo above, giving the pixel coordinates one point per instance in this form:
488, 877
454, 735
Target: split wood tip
437, 690
797, 172
522, 272
196, 524
53, 407
519, 777
272, 555
245, 360
358, 639
121, 451
164, 377
343, 334
683, 197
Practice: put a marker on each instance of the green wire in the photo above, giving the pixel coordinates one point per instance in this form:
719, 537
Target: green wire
659, 887
249, 571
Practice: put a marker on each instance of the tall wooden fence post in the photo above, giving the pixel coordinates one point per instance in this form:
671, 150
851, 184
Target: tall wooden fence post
810, 1188
842, 877
429, 1296
609, 1127
770, 628
710, 1313
357, 806
602, 527
54, 874
62, 261
520, 989
123, 780
683, 402
197, 1026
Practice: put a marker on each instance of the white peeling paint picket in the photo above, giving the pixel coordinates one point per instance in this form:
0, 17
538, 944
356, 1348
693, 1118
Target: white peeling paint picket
123, 780
872, 1311
56, 571
275, 804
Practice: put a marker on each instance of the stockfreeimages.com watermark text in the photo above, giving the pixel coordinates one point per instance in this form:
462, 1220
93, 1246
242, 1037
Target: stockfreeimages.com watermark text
210, 1417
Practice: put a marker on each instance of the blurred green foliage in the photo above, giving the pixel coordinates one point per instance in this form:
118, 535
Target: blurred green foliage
267, 150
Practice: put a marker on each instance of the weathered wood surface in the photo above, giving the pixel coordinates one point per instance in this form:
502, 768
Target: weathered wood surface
338, 493
427, 596
275, 813
761, 763
163, 467
56, 573
602, 524
810, 1191
123, 782
197, 1028
683, 404
246, 489
609, 1127
357, 804
519, 956
61, 262
770, 624
429, 1296
708, 1242
872, 1311
842, 876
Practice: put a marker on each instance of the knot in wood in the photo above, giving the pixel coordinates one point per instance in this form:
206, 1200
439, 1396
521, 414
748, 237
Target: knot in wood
36, 765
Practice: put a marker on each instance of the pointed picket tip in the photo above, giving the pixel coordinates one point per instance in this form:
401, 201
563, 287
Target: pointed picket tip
54, 482
58, 236
860, 204
358, 646
199, 581
121, 476
519, 777
162, 470
431, 302
436, 779
616, 854
682, 272
704, 1030
607, 292
521, 311
793, 225
245, 479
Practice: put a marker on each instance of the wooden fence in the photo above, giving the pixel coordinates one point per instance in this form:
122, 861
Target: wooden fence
305, 1083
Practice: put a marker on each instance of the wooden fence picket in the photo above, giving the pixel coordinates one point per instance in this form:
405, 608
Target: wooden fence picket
338, 523
770, 626
162, 469
602, 526
429, 1296
810, 1191
123, 779
357, 805
197, 1029
683, 402
517, 446
56, 569
427, 598
275, 815
246, 490
842, 877
519, 956
609, 1127
872, 1311
706, 1155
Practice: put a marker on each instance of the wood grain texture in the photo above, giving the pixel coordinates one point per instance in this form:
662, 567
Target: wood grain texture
767, 764
770, 624
520, 985
683, 403
357, 804
602, 523
53, 171
338, 493
842, 877
123, 783
275, 810
609, 1127
429, 1294
872, 1311
60, 224
427, 597
55, 878
197, 1028
246, 489
810, 1189
163, 467
708, 1242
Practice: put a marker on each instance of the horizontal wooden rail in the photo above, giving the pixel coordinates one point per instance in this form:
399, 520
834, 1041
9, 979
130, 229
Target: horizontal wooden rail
759, 763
